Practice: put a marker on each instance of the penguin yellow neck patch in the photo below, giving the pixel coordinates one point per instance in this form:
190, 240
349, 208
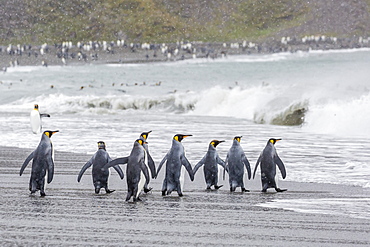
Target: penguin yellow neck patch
176, 138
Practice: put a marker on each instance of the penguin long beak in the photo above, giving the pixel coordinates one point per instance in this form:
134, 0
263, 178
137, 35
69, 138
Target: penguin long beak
186, 136
278, 140
55, 131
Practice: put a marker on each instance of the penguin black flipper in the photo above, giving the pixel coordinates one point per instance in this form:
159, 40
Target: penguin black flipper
84, 168
145, 170
255, 168
199, 164
50, 168
119, 171
247, 165
221, 162
187, 165
281, 166
151, 165
25, 163
161, 164
115, 162
44, 115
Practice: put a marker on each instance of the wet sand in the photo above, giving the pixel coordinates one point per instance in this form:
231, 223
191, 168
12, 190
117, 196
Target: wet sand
72, 215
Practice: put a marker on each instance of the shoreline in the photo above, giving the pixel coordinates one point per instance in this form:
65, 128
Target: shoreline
102, 52
74, 214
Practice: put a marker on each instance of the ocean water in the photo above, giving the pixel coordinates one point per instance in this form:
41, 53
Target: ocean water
317, 102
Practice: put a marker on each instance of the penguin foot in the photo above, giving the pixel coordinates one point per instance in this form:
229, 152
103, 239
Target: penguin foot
181, 195
163, 193
109, 191
218, 186
138, 199
264, 190
208, 188
280, 190
42, 194
245, 190
146, 190
97, 190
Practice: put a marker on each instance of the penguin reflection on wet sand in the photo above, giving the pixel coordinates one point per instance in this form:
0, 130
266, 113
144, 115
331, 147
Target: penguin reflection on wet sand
136, 172
269, 159
100, 177
42, 164
235, 162
149, 162
175, 160
35, 119
211, 161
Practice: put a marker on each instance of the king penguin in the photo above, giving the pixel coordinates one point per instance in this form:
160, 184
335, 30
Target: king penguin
175, 160
137, 173
211, 160
268, 160
149, 162
43, 161
100, 177
35, 119
235, 162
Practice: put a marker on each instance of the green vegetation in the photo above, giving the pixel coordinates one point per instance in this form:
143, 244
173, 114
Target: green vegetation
153, 20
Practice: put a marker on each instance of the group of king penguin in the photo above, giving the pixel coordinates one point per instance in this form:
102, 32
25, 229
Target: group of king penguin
141, 166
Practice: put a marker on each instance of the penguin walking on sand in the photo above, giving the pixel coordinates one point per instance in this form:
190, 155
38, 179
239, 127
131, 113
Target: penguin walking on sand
100, 177
269, 159
211, 160
137, 173
235, 162
175, 160
42, 164
35, 119
149, 162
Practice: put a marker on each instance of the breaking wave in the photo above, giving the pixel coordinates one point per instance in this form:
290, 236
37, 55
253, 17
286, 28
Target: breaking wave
260, 104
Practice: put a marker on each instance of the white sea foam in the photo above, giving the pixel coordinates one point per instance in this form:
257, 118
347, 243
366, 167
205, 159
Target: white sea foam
348, 207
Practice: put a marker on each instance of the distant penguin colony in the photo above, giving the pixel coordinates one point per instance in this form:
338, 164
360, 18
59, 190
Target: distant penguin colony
141, 166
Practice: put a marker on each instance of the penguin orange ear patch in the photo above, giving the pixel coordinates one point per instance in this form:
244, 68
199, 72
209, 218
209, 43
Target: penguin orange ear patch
176, 138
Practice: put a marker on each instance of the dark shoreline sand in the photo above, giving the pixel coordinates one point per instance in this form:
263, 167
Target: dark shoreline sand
72, 215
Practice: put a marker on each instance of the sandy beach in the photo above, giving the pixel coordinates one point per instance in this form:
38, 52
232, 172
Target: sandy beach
72, 215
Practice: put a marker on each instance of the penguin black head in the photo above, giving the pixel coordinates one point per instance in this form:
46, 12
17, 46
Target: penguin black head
49, 133
179, 137
36, 107
273, 140
141, 141
238, 138
215, 142
101, 145
145, 135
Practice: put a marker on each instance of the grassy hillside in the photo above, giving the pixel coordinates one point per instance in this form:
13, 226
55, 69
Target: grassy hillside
36, 21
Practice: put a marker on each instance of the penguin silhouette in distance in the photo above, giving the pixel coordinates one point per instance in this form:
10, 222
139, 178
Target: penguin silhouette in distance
35, 119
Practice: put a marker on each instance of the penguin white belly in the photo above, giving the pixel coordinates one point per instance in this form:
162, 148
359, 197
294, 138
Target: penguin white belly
146, 162
182, 177
276, 180
35, 120
141, 184
220, 172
